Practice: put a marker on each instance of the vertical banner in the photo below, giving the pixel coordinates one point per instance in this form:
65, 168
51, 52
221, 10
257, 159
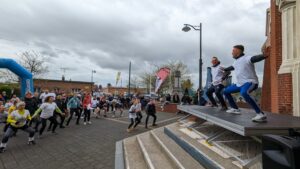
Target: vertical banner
161, 76
118, 78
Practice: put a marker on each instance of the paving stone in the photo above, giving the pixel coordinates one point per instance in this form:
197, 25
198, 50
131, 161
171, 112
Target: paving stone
90, 146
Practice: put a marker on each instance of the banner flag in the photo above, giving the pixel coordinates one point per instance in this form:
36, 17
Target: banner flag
118, 78
161, 76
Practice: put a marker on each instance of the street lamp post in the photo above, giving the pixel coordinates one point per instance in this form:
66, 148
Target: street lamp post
186, 28
129, 80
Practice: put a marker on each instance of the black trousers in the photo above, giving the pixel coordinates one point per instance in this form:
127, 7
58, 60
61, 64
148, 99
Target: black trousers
131, 123
87, 114
52, 119
77, 112
147, 118
138, 119
217, 90
62, 119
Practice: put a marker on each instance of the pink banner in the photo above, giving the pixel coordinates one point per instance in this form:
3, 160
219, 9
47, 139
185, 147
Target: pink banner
161, 76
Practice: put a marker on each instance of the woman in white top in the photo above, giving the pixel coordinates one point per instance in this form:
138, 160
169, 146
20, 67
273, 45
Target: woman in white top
138, 111
132, 115
47, 113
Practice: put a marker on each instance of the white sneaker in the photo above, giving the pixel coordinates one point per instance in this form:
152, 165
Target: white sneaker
89, 122
260, 118
234, 111
84, 123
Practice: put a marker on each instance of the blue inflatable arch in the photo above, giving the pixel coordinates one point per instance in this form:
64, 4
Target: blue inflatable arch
25, 75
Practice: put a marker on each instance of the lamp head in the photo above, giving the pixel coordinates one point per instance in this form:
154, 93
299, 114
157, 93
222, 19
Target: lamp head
186, 28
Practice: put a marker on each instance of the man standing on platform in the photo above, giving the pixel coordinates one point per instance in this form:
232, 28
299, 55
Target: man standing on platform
217, 72
246, 81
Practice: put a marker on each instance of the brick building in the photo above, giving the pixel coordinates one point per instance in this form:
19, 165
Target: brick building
280, 90
123, 90
62, 85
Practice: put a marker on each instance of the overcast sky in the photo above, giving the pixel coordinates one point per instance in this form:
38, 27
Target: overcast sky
105, 35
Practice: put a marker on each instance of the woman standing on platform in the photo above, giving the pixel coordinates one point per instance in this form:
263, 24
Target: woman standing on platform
47, 113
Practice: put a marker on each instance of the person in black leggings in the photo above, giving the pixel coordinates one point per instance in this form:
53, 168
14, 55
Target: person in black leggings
60, 104
151, 111
47, 113
132, 116
138, 110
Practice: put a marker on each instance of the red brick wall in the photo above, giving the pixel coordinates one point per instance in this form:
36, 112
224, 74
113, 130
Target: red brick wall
285, 94
122, 90
66, 86
266, 87
277, 89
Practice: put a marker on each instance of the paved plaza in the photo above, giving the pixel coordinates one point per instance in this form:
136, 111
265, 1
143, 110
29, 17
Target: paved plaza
78, 146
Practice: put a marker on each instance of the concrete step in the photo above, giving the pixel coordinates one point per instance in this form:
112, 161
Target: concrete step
183, 158
133, 155
155, 156
202, 154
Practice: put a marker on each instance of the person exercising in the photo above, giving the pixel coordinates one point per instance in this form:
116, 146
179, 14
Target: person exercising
247, 81
216, 87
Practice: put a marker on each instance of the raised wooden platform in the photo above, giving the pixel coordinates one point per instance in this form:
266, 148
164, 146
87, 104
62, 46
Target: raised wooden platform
242, 124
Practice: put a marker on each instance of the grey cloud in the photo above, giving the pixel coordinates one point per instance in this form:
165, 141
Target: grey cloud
109, 34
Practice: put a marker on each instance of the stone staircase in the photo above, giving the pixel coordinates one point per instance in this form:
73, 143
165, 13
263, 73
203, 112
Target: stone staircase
170, 147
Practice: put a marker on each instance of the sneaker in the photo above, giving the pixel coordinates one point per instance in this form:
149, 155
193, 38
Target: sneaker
84, 123
261, 117
113, 116
234, 111
154, 125
62, 127
128, 130
89, 122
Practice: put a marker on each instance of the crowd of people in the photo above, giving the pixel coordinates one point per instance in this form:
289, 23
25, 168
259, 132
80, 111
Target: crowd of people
32, 113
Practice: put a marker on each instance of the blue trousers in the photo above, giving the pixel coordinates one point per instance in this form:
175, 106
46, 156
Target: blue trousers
244, 90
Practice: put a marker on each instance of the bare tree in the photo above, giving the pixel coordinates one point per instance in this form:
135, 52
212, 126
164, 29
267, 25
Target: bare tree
34, 62
30, 60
